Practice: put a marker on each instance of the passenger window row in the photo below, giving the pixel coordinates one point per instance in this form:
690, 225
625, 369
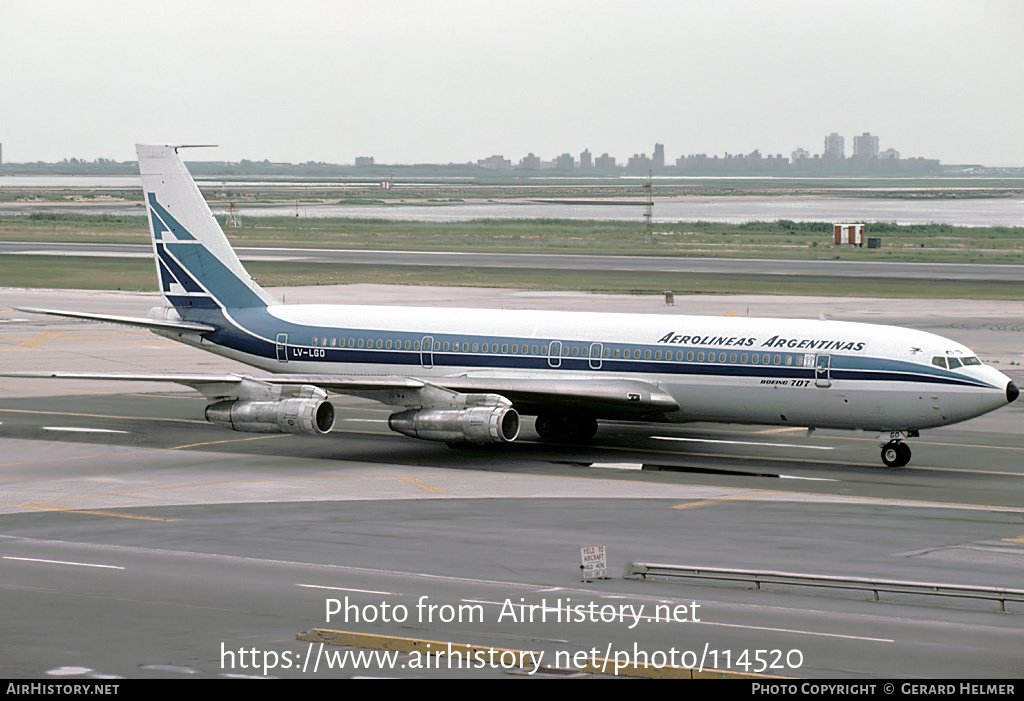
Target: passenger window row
730, 357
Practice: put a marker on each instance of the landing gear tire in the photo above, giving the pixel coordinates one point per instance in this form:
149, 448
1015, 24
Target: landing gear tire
896, 454
546, 426
558, 427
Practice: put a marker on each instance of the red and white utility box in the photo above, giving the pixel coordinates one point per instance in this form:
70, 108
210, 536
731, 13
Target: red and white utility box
852, 234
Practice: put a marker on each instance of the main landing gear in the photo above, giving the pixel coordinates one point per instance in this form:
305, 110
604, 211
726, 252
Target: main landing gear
564, 427
896, 453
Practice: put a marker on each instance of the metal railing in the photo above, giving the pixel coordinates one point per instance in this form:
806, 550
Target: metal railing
643, 570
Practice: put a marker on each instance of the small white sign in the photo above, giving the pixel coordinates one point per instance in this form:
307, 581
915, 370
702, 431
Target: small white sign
593, 563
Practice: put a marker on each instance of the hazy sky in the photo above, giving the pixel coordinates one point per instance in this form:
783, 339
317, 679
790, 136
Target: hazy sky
415, 82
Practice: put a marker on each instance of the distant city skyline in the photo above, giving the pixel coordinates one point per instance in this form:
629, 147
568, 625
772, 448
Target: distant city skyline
866, 146
456, 81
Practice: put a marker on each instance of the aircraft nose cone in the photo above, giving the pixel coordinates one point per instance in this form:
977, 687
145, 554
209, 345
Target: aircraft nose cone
1011, 391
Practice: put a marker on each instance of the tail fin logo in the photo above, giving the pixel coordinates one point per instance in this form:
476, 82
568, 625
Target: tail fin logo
174, 280
196, 265
164, 222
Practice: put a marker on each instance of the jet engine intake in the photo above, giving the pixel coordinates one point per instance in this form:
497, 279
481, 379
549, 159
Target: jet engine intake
476, 424
302, 415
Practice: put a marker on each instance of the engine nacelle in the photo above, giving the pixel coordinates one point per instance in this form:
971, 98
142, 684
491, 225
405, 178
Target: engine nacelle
477, 424
304, 415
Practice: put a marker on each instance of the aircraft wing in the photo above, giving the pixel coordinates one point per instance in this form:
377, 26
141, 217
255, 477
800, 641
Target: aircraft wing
603, 398
606, 398
231, 385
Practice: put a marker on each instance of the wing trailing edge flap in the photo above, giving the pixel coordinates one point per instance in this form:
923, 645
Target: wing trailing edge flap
610, 398
394, 391
602, 397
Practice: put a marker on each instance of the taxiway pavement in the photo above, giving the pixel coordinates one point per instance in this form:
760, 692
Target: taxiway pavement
138, 540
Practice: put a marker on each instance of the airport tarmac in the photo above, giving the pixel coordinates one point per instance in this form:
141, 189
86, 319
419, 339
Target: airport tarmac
137, 540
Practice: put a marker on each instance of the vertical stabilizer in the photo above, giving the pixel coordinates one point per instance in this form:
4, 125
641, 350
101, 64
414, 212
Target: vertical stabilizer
196, 267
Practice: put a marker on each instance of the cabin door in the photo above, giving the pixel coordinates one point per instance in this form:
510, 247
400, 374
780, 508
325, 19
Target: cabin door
282, 347
555, 354
427, 352
823, 371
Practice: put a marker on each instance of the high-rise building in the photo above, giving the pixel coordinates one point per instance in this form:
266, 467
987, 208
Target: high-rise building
605, 162
639, 162
659, 156
586, 162
530, 162
497, 162
865, 146
565, 162
834, 146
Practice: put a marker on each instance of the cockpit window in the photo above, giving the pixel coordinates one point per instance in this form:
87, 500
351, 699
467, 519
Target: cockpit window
954, 363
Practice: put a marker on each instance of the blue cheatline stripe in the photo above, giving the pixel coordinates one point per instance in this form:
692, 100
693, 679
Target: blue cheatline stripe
247, 340
193, 302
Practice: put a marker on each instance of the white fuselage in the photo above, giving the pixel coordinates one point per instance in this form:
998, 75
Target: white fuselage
767, 371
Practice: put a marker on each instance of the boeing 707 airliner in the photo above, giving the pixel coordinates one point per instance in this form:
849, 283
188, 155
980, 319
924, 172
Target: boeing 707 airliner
466, 376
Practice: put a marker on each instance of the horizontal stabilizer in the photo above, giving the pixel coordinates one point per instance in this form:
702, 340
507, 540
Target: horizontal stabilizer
141, 322
176, 377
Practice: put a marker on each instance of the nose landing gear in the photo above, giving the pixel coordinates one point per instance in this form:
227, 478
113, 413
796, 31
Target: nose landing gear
896, 453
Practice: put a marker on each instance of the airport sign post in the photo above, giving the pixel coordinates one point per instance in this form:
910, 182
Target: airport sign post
593, 563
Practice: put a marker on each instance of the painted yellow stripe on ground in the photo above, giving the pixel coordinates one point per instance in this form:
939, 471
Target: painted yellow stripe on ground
68, 458
48, 507
420, 485
40, 339
710, 502
412, 480
469, 654
231, 440
1017, 539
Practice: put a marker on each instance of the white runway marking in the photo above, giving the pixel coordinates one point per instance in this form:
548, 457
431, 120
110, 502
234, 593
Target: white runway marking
62, 562
76, 429
359, 591
67, 671
713, 440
